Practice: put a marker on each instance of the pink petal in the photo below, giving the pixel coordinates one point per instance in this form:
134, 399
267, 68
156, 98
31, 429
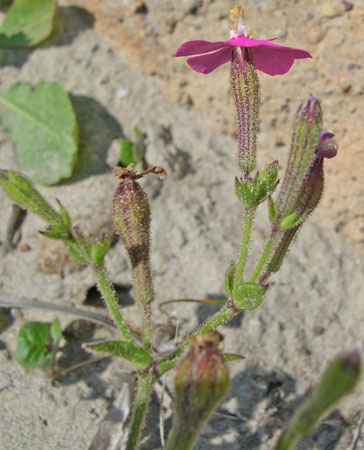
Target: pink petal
243, 41
211, 61
275, 59
198, 47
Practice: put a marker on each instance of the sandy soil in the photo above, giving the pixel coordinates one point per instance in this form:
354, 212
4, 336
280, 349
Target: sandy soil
114, 59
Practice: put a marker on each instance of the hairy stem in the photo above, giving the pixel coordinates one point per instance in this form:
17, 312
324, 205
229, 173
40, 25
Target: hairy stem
244, 246
109, 295
147, 326
142, 398
222, 316
263, 259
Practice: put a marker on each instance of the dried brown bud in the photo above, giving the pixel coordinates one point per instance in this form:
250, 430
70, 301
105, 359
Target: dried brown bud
131, 215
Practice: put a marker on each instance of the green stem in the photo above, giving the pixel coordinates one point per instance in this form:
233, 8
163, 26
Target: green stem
222, 316
109, 294
147, 326
144, 296
263, 259
142, 399
244, 246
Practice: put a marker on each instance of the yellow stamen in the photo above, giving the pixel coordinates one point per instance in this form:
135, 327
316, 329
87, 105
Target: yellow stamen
250, 33
236, 16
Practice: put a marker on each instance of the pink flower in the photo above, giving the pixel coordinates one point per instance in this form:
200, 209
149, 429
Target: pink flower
272, 59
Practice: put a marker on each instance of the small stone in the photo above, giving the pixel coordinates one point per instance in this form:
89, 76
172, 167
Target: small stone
280, 33
333, 9
122, 93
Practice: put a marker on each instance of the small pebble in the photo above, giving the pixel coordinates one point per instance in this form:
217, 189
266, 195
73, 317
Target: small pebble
280, 33
333, 9
122, 93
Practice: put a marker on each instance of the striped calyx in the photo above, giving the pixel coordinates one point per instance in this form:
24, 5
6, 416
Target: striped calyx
245, 88
131, 214
201, 381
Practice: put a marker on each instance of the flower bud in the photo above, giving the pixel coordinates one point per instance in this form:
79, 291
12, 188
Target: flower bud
290, 224
339, 380
245, 88
21, 191
303, 184
131, 216
305, 141
201, 382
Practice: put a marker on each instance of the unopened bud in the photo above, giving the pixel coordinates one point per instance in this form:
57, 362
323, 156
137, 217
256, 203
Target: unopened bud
289, 224
246, 92
201, 382
131, 216
339, 380
305, 141
303, 184
21, 191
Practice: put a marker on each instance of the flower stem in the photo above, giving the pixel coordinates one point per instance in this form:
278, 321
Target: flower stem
109, 295
142, 398
263, 259
244, 246
222, 316
147, 326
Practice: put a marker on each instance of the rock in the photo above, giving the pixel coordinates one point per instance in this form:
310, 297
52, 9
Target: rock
333, 9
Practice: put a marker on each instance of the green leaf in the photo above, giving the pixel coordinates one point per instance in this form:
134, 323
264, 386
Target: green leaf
98, 250
32, 344
271, 210
229, 279
27, 23
65, 215
21, 191
56, 231
42, 123
126, 152
132, 152
137, 355
292, 220
248, 295
228, 357
77, 251
56, 334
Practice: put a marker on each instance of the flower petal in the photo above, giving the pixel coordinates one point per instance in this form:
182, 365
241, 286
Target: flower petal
244, 41
198, 47
211, 61
274, 59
